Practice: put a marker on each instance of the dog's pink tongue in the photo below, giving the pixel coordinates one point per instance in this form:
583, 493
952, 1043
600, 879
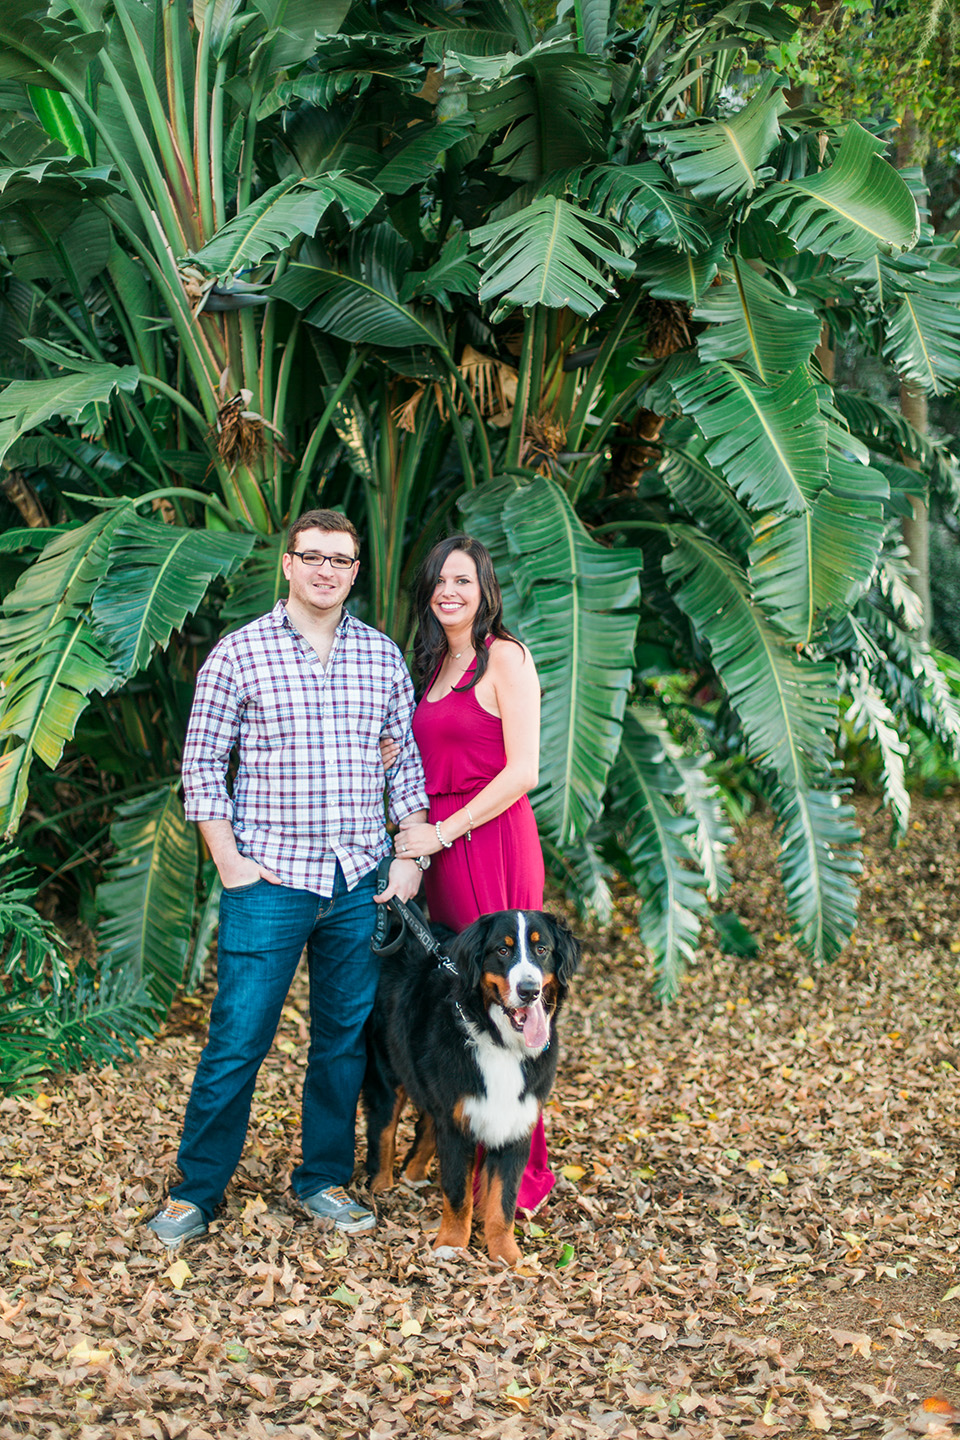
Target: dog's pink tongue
536, 1029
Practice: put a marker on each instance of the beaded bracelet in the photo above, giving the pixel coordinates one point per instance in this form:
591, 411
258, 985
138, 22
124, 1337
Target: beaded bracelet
447, 844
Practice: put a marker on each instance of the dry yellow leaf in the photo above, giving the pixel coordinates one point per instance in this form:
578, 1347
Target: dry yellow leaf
410, 1326
81, 1354
178, 1274
573, 1172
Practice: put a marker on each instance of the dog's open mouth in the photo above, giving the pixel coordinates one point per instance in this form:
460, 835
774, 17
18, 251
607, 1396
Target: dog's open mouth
531, 1022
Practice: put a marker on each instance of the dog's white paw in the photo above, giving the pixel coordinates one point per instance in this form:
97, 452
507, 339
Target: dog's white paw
447, 1252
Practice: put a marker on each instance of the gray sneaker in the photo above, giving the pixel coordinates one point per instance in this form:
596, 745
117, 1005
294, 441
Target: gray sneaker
335, 1204
178, 1220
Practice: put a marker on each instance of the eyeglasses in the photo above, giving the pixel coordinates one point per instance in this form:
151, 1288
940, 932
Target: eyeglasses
314, 560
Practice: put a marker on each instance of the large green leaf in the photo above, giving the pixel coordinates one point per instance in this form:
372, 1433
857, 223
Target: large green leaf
546, 106
657, 839
52, 181
286, 211
44, 696
804, 566
642, 200
724, 159
453, 274
50, 658
551, 253
749, 319
819, 857
25, 404
593, 24
148, 896
671, 275
769, 442
421, 154
362, 304
347, 65
257, 585
156, 576
579, 619
35, 41
294, 27
788, 708
701, 491
854, 208
923, 331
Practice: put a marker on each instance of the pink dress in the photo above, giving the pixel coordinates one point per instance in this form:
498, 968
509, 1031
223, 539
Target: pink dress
500, 868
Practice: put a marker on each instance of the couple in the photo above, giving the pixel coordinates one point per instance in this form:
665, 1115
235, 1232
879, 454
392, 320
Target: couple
316, 704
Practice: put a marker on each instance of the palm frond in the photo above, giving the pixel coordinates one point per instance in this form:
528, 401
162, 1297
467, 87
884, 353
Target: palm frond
657, 841
854, 208
546, 106
147, 898
724, 159
868, 713
577, 613
361, 304
819, 858
749, 319
279, 216
700, 491
420, 153
156, 576
770, 442
25, 404
788, 708
802, 567
551, 253
923, 332
642, 200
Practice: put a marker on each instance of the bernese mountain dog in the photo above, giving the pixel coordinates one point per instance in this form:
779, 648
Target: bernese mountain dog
471, 1040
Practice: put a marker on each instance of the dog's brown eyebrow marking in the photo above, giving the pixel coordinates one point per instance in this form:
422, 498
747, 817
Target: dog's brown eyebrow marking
508, 940
534, 936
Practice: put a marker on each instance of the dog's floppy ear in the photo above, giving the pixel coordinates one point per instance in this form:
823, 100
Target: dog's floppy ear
466, 952
567, 949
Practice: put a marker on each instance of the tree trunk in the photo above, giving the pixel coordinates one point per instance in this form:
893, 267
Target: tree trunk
916, 531
913, 406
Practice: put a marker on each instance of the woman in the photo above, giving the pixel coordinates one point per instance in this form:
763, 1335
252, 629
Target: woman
478, 730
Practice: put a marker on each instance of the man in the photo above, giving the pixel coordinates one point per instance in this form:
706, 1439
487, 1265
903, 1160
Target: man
304, 694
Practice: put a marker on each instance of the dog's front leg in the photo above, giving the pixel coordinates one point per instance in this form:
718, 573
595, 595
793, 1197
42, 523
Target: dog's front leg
501, 1182
456, 1154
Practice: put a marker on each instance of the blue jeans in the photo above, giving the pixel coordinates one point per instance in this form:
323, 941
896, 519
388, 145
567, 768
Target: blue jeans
263, 929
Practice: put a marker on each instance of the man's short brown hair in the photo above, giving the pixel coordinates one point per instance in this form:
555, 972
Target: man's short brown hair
329, 520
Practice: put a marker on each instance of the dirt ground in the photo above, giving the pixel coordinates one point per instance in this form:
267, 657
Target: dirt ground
754, 1229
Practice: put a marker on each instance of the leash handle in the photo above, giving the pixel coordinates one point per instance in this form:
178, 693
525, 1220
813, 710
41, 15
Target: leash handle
411, 919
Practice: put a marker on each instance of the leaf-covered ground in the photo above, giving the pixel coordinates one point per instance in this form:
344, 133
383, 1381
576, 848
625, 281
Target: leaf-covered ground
757, 1232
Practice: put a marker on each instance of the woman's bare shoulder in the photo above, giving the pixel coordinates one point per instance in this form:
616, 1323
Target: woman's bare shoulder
511, 660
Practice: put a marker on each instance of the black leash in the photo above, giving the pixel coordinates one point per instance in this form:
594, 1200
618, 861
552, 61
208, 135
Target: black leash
411, 919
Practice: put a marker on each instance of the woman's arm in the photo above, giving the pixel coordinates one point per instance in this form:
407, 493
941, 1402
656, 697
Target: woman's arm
516, 690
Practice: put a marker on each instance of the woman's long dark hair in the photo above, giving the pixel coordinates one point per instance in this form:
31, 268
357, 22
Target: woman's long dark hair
430, 645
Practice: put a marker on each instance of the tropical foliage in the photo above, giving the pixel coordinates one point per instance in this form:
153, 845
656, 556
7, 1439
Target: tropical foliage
260, 254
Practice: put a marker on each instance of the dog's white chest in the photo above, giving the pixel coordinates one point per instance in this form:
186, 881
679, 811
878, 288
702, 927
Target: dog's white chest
500, 1116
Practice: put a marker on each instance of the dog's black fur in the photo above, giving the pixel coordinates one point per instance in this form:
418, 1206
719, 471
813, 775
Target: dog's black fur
475, 1049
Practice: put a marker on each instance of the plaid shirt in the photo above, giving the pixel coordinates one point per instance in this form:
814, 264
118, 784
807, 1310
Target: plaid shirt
309, 787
